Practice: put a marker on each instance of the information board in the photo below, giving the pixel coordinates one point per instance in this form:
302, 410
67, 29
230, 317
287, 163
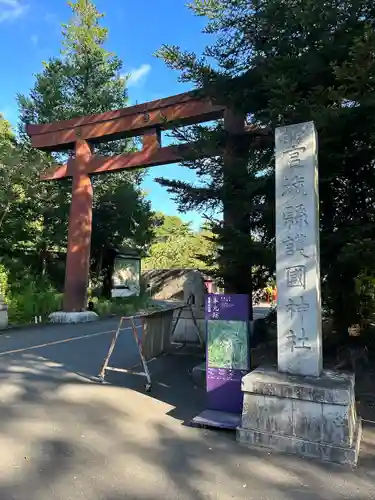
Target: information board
228, 353
126, 277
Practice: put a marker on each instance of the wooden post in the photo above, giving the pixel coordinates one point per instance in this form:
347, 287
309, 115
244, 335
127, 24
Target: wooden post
79, 232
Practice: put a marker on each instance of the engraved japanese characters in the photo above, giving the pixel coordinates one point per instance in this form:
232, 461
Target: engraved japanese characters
297, 250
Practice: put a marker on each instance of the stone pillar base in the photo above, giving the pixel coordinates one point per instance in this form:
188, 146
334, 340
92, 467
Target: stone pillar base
72, 317
3, 316
306, 416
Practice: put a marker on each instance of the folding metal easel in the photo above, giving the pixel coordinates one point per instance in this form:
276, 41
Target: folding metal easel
146, 373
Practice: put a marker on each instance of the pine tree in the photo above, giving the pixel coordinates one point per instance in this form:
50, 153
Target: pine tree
293, 61
84, 80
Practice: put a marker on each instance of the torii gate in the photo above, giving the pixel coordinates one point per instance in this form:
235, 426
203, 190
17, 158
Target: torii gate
80, 134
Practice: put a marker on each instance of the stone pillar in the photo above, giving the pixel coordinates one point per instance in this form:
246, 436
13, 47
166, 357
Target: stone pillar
298, 408
299, 331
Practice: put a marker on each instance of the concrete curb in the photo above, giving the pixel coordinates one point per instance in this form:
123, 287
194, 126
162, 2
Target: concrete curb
39, 326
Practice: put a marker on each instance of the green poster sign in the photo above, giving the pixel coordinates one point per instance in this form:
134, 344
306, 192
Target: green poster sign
227, 345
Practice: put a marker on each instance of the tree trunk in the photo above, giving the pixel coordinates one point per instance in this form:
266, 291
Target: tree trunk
236, 209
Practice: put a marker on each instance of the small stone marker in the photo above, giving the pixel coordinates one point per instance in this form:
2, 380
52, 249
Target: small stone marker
299, 328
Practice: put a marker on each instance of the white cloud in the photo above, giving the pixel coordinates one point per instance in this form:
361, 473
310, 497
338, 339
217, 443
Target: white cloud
137, 75
11, 9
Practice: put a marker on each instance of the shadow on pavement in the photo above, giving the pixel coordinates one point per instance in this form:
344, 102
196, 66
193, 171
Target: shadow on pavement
64, 437
171, 373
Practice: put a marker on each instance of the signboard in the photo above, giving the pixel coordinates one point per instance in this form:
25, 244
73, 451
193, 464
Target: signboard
126, 277
228, 353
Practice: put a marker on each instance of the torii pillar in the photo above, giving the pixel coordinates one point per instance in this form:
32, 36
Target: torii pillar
79, 232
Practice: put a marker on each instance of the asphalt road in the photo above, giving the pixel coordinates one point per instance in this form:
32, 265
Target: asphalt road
260, 311
63, 436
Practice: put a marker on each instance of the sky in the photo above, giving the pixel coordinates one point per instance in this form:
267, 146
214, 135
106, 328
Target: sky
30, 33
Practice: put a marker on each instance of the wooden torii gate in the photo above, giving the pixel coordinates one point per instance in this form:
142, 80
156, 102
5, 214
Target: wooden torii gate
81, 134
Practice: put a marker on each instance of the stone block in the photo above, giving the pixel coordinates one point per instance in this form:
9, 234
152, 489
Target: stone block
3, 315
339, 424
324, 452
308, 416
307, 420
72, 317
267, 414
330, 387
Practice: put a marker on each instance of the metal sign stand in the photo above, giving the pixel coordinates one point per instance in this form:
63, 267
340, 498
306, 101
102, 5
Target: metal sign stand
189, 305
146, 373
106, 366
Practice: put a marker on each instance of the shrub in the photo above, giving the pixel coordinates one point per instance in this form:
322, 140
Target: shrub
30, 298
120, 306
3, 280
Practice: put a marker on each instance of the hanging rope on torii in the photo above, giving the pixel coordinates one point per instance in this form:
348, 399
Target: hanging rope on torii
81, 134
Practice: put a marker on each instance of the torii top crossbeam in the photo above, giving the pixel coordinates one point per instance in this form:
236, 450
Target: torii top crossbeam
145, 120
80, 134
182, 109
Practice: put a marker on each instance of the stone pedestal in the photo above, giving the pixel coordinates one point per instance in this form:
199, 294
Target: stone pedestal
3, 314
73, 317
308, 416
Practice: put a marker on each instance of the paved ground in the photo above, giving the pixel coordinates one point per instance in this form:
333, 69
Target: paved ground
64, 437
261, 310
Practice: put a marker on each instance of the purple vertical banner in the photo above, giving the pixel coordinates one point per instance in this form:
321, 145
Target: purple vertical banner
228, 353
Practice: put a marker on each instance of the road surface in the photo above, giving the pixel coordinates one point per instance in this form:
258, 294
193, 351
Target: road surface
64, 437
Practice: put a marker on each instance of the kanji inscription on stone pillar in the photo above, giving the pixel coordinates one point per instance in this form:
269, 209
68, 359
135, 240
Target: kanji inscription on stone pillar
297, 250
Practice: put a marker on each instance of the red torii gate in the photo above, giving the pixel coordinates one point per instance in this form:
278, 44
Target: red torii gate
80, 134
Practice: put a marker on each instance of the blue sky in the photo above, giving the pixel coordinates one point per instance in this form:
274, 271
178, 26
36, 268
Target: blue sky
30, 32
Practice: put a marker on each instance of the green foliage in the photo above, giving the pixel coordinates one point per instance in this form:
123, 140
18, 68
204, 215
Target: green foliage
84, 80
289, 62
20, 218
176, 245
29, 298
365, 291
3, 280
234, 184
122, 306
26, 294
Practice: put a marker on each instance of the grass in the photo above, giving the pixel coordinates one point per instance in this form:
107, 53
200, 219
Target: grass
25, 304
122, 306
